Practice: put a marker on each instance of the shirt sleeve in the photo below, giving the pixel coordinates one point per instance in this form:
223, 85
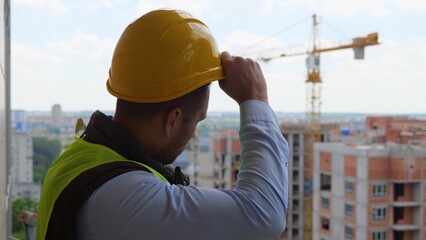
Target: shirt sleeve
138, 205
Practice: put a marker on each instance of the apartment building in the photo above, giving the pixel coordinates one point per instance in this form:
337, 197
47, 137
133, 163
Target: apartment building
397, 129
226, 156
369, 192
300, 175
56, 115
21, 155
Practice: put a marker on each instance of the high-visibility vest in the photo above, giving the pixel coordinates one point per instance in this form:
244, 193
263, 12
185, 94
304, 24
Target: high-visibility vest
72, 178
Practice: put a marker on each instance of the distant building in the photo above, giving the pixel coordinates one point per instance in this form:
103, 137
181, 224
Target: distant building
22, 157
20, 121
200, 160
300, 176
25, 190
56, 115
374, 192
5, 209
397, 129
226, 157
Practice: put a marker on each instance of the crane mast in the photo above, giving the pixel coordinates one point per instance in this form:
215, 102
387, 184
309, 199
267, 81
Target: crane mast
313, 83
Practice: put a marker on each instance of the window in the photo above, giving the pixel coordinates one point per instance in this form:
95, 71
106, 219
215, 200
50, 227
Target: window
295, 232
296, 141
398, 214
295, 204
325, 202
379, 235
379, 214
295, 189
296, 161
295, 175
349, 209
295, 219
398, 190
349, 233
325, 181
349, 187
325, 223
379, 189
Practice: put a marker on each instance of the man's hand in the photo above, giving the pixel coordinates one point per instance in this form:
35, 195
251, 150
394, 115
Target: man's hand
243, 79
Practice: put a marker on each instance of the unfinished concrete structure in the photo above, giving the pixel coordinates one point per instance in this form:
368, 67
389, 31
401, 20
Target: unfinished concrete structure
226, 157
373, 192
397, 129
300, 174
375, 188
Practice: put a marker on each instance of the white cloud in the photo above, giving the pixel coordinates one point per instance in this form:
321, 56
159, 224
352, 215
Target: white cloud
413, 5
247, 44
68, 72
196, 7
267, 6
352, 7
345, 8
99, 4
25, 54
85, 46
57, 6
389, 79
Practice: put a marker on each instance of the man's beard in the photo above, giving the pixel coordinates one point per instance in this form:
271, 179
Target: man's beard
175, 147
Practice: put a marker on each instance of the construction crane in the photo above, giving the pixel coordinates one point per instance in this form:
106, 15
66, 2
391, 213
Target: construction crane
313, 131
313, 83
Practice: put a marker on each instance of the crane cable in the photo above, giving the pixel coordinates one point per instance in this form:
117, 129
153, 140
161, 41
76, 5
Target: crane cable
274, 35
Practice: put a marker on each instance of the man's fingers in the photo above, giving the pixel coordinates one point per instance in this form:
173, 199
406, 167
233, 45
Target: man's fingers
225, 55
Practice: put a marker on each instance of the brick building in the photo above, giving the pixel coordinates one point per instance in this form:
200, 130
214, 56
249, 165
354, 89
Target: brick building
226, 157
374, 189
400, 129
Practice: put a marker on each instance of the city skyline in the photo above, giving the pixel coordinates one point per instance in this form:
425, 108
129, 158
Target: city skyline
61, 51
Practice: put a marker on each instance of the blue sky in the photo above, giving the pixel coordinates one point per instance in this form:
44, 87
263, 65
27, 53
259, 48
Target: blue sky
61, 50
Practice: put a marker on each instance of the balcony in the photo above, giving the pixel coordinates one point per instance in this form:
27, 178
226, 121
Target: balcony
407, 204
406, 194
406, 227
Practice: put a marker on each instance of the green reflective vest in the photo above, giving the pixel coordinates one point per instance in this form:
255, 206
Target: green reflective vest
77, 172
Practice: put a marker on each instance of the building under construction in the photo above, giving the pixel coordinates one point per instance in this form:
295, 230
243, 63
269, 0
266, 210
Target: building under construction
373, 189
300, 174
226, 156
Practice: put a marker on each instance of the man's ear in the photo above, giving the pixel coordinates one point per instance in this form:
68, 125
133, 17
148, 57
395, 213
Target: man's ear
173, 121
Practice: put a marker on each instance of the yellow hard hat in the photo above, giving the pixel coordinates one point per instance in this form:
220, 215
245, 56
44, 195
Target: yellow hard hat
163, 55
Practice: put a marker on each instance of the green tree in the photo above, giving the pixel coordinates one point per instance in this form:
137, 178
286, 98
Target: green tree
45, 152
21, 205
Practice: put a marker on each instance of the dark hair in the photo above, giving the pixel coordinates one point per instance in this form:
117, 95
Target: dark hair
189, 103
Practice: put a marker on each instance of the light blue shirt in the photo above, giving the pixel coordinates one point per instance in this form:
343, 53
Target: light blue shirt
138, 205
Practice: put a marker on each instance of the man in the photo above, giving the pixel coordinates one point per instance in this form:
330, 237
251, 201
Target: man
115, 182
